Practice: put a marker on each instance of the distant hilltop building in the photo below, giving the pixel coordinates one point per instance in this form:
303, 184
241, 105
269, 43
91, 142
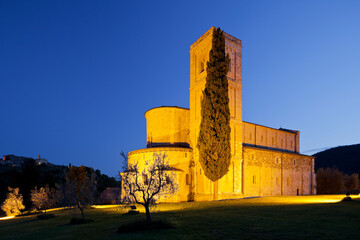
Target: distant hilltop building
264, 161
17, 161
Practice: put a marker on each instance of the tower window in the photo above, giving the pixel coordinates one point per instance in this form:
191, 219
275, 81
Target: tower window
187, 179
185, 154
145, 178
202, 66
254, 179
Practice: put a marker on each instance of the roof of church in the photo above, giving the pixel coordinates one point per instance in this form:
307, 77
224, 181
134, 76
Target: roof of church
280, 129
273, 149
208, 32
167, 107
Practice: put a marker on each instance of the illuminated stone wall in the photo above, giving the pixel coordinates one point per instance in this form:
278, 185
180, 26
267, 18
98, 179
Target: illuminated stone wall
167, 126
269, 137
269, 173
178, 158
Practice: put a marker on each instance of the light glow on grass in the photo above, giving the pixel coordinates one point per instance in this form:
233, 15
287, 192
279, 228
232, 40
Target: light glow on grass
105, 206
273, 200
56, 209
6, 218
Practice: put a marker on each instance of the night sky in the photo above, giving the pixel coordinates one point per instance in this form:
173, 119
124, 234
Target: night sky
77, 76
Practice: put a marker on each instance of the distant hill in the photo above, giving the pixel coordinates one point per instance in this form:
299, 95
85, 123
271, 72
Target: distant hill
344, 158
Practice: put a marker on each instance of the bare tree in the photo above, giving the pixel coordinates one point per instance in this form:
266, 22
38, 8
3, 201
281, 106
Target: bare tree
80, 189
58, 195
124, 161
156, 180
13, 203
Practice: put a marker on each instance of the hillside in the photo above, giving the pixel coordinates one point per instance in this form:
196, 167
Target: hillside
344, 158
28, 174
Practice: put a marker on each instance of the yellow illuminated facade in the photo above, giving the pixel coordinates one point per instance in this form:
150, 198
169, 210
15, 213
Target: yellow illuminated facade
265, 161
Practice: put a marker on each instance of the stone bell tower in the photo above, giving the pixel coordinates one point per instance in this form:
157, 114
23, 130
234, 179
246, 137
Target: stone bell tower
199, 55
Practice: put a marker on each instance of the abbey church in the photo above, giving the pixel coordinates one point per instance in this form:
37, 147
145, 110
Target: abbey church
264, 161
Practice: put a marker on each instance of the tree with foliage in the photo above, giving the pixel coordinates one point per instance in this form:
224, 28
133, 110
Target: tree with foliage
44, 197
80, 188
351, 183
329, 181
214, 136
13, 203
39, 198
156, 180
30, 178
103, 182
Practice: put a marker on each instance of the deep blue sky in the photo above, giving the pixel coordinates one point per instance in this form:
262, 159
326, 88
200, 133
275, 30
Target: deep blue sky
77, 76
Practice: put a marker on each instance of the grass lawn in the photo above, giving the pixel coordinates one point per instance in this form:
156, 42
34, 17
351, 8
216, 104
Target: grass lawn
300, 217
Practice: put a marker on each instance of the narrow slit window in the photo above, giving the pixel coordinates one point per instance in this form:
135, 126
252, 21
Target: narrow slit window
202, 66
187, 179
145, 178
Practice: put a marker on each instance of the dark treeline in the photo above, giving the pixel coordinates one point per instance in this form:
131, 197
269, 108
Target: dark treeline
30, 175
333, 181
344, 158
337, 170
